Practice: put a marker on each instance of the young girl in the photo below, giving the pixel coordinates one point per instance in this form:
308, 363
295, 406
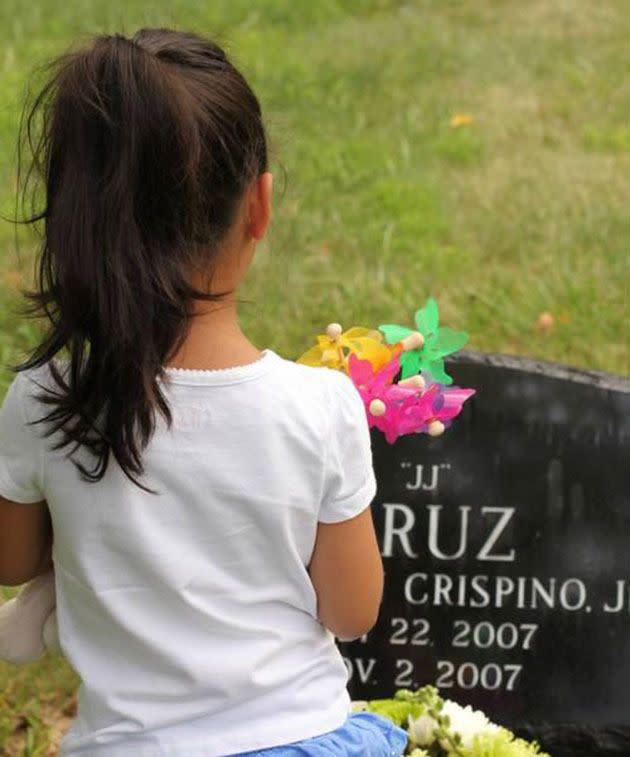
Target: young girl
209, 501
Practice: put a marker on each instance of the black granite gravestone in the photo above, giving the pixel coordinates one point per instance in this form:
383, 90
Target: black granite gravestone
506, 546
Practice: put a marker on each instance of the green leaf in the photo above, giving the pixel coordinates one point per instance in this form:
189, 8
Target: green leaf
394, 333
427, 318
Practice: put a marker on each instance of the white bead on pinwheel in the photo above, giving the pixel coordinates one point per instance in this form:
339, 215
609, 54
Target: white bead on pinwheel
436, 428
416, 381
334, 331
377, 407
414, 341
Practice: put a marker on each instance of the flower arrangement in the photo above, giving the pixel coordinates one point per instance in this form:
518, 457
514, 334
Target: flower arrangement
423, 399
441, 728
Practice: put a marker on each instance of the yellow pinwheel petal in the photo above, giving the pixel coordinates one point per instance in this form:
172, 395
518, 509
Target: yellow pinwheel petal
377, 353
356, 332
332, 358
311, 357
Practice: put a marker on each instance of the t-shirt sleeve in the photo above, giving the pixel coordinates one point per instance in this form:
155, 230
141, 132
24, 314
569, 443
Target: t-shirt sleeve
349, 480
20, 448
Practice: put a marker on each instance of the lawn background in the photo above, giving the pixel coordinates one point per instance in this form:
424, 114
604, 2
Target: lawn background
381, 199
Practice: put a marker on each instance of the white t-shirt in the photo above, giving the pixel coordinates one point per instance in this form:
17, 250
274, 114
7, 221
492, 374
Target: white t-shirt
190, 615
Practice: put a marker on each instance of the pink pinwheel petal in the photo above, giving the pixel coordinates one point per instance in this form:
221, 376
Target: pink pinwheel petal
392, 433
438, 404
365, 396
412, 421
407, 415
390, 422
432, 394
360, 371
416, 414
386, 374
454, 394
453, 403
385, 425
448, 413
423, 414
397, 393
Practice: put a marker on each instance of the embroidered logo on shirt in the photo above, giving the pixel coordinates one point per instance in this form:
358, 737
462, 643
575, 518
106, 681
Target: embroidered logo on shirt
190, 416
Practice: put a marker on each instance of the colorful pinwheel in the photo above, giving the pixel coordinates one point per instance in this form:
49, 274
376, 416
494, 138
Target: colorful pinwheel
423, 400
395, 409
333, 347
426, 348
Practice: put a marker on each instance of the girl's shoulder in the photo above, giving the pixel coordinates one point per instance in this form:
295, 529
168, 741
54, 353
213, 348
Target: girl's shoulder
327, 396
32, 380
322, 380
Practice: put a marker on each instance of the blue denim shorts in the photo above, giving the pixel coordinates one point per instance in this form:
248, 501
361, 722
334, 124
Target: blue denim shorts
364, 734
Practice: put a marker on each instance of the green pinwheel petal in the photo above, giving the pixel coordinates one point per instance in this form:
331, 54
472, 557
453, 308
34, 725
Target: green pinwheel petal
448, 341
409, 364
427, 318
438, 374
394, 333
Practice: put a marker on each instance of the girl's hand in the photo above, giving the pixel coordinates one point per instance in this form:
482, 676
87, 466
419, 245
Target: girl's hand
23, 618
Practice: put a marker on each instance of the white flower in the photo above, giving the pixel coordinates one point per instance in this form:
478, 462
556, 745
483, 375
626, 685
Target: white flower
467, 722
422, 730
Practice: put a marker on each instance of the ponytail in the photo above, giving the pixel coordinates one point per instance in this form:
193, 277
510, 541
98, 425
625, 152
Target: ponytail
145, 146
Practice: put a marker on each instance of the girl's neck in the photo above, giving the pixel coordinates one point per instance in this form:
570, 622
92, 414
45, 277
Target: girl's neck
214, 340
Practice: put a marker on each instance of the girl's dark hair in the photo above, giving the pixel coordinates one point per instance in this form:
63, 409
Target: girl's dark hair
145, 146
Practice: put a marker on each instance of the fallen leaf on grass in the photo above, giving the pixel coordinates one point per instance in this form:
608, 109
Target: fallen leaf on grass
461, 119
545, 322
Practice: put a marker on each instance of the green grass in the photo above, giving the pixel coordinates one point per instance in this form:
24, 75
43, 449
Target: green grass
379, 201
